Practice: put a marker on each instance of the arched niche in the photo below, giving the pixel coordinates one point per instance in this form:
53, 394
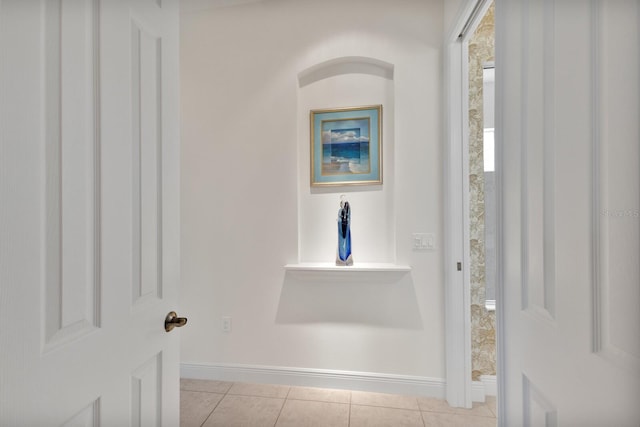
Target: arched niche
347, 81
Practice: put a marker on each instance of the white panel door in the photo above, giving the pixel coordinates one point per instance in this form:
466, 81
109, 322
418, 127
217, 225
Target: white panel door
89, 212
568, 75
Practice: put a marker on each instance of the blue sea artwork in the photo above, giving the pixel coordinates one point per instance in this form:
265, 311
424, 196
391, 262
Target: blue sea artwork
346, 146
345, 149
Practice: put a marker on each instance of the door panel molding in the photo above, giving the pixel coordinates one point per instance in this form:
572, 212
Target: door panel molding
72, 339
580, 367
616, 229
72, 123
538, 159
537, 408
87, 417
146, 95
146, 383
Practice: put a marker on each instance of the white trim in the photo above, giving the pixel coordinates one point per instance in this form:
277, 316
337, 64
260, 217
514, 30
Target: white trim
490, 383
490, 305
457, 338
362, 267
457, 284
345, 65
358, 272
477, 391
348, 380
480, 8
500, 50
483, 388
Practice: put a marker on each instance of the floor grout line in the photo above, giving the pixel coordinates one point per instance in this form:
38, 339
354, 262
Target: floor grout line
213, 410
317, 401
387, 407
284, 401
289, 397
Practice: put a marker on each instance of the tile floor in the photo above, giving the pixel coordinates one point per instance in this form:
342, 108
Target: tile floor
219, 403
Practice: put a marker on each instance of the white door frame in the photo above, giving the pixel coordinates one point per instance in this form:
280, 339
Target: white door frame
457, 250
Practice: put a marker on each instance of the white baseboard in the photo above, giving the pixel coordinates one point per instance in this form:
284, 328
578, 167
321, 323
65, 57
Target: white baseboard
477, 391
490, 384
487, 386
349, 380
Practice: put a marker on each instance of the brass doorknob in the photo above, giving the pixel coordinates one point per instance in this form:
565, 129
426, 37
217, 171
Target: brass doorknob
173, 321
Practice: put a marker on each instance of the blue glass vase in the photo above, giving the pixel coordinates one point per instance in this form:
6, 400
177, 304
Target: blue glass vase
344, 235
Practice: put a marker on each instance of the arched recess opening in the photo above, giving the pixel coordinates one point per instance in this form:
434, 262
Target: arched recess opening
348, 81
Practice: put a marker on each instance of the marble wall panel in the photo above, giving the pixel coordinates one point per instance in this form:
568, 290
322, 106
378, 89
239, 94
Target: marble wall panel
483, 324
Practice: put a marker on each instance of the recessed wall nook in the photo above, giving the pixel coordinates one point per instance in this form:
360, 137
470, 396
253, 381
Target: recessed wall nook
337, 83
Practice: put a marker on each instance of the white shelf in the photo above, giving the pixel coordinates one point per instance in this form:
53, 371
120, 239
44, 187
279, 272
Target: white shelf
364, 267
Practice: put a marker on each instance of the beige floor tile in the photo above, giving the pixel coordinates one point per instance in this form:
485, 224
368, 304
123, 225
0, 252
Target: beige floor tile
258, 405
260, 390
492, 405
245, 411
195, 407
375, 416
205, 385
320, 394
429, 404
434, 419
478, 410
304, 413
384, 400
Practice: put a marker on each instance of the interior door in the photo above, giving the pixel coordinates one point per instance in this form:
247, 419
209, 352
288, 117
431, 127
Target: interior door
89, 212
568, 77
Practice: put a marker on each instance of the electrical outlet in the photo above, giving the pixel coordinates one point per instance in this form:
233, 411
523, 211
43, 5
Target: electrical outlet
226, 324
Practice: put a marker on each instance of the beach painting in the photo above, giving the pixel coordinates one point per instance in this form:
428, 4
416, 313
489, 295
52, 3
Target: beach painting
346, 146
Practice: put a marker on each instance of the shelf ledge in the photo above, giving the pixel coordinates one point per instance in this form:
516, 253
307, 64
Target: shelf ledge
364, 267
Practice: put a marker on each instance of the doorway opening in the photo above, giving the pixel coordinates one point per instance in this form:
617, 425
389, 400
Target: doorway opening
470, 256
482, 201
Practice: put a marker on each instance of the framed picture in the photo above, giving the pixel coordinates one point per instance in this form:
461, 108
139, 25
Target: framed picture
346, 146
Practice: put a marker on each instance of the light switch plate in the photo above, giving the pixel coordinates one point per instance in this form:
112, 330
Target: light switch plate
423, 241
226, 324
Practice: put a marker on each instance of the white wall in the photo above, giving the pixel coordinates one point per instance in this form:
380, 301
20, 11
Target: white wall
247, 208
452, 11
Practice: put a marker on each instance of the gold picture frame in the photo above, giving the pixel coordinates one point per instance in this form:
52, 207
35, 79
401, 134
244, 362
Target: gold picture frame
346, 146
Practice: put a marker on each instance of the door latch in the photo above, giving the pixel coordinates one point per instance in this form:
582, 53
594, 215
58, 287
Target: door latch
173, 321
